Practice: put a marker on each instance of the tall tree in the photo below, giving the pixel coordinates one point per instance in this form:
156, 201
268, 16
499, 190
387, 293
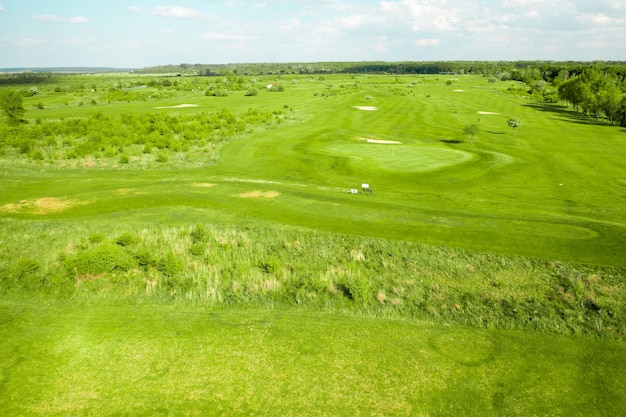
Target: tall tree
471, 130
12, 103
610, 101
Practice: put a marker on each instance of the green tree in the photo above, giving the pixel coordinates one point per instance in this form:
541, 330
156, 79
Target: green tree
12, 103
471, 130
610, 101
514, 123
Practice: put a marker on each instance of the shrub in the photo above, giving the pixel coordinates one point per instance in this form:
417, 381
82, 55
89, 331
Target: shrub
359, 288
127, 239
162, 156
200, 234
145, 257
124, 159
252, 92
198, 249
101, 259
37, 155
96, 238
170, 265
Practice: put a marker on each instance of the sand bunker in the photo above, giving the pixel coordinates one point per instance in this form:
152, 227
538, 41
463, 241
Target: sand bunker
459, 91
366, 108
180, 106
204, 184
486, 112
40, 206
259, 194
381, 141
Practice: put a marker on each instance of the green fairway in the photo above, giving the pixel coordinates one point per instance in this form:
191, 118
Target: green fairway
99, 359
205, 246
555, 181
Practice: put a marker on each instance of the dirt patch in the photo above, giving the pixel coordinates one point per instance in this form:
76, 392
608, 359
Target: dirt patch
180, 106
45, 205
381, 141
486, 112
259, 194
204, 184
366, 108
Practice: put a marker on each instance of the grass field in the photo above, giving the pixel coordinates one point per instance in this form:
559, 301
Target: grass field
100, 359
239, 276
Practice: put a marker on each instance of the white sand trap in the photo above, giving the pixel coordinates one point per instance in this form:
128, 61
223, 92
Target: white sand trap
384, 142
259, 194
180, 106
204, 184
486, 112
459, 91
366, 108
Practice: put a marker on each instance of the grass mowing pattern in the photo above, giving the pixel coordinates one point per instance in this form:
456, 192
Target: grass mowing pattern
106, 250
99, 359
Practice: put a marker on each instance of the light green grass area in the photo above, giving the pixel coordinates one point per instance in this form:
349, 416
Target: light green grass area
97, 359
397, 157
218, 264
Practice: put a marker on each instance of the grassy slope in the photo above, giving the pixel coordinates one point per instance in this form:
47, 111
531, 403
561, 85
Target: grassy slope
100, 359
542, 184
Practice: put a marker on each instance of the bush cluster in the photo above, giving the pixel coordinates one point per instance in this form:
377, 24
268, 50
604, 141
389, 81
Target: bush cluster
107, 136
216, 265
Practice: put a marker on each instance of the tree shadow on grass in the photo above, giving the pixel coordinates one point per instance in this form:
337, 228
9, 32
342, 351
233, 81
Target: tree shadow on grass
566, 114
451, 141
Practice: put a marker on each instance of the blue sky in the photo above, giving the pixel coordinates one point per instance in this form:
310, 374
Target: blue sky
140, 33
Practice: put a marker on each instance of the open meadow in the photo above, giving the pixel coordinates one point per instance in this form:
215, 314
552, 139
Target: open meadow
309, 244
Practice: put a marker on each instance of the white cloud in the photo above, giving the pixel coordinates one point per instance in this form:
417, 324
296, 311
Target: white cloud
56, 19
179, 12
134, 9
2, 9
427, 42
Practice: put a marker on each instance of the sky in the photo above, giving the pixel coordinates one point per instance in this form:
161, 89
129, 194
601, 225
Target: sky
143, 33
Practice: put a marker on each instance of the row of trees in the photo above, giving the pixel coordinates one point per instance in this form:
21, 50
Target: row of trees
596, 94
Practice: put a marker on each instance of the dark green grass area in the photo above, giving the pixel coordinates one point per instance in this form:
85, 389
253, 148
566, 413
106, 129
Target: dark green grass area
96, 359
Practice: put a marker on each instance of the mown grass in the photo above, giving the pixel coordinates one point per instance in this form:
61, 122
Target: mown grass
94, 358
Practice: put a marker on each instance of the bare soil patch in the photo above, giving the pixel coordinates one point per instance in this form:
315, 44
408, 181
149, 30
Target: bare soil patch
486, 112
366, 108
40, 206
260, 194
204, 184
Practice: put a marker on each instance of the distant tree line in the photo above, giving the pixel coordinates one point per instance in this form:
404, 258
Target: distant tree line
517, 70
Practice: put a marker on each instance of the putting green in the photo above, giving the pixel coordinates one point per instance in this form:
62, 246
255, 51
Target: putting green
398, 157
